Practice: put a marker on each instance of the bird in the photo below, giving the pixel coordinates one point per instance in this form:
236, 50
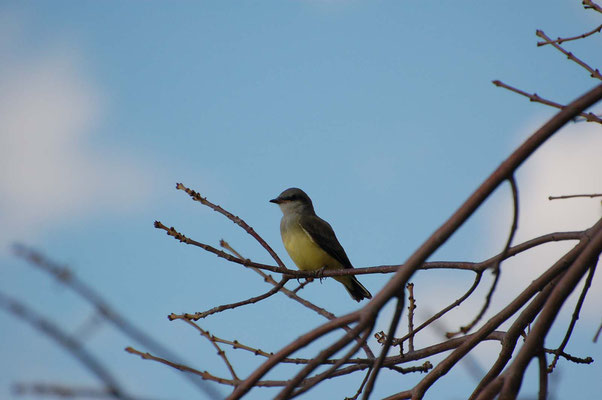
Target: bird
311, 242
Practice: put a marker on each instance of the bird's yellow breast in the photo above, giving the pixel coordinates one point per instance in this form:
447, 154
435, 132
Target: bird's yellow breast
304, 252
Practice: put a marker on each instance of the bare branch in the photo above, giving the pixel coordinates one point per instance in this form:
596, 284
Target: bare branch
62, 391
198, 315
537, 285
543, 376
203, 374
387, 345
411, 308
567, 284
401, 277
591, 5
220, 352
66, 277
510, 340
575, 317
292, 294
561, 40
325, 375
359, 390
597, 333
237, 220
575, 195
66, 341
594, 73
576, 360
589, 117
444, 311
496, 267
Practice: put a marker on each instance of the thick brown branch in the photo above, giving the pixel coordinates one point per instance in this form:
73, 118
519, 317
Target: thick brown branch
313, 381
543, 376
496, 267
587, 257
537, 285
402, 276
400, 300
512, 336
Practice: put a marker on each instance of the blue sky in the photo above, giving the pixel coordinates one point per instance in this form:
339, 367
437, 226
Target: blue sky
383, 112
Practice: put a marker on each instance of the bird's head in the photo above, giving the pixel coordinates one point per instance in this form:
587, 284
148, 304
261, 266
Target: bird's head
293, 200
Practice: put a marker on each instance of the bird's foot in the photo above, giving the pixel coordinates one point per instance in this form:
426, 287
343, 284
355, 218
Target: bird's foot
320, 273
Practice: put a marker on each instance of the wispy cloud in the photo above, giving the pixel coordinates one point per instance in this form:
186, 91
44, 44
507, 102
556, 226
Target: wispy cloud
49, 171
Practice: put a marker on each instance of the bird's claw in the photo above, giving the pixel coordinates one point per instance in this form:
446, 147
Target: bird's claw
320, 273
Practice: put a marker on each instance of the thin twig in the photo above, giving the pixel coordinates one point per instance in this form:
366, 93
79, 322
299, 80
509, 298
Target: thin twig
575, 317
562, 40
237, 220
198, 315
292, 294
184, 368
597, 333
496, 267
588, 4
589, 117
571, 358
594, 73
386, 346
359, 390
425, 367
222, 254
443, 311
63, 391
411, 308
220, 352
570, 196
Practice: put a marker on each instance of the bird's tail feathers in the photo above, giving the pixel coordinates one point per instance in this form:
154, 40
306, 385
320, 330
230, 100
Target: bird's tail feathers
357, 291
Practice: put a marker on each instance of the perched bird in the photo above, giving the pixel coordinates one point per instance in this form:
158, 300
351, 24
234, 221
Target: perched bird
311, 242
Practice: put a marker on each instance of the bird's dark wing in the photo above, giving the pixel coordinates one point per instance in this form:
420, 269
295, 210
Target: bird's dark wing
321, 232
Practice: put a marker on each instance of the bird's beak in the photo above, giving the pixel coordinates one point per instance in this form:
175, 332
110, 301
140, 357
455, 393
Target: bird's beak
276, 200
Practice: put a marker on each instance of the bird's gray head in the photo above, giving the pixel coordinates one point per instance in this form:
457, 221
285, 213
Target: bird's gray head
294, 200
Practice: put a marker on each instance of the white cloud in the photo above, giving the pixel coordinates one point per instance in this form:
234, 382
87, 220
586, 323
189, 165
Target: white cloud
570, 163
48, 171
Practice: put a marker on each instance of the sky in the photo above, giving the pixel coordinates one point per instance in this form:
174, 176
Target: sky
382, 111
